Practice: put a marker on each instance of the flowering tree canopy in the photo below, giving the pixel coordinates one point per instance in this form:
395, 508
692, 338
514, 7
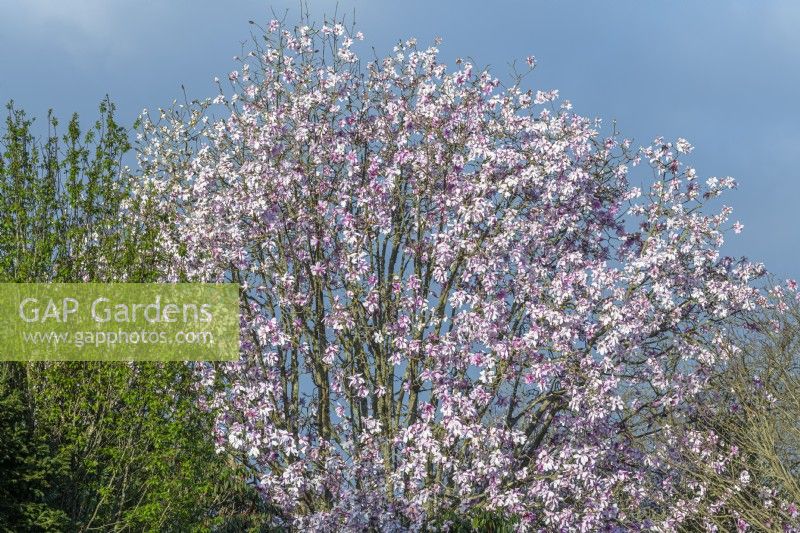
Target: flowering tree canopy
453, 297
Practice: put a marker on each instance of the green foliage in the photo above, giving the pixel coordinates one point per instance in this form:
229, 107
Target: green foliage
23, 462
61, 201
130, 448
103, 446
483, 521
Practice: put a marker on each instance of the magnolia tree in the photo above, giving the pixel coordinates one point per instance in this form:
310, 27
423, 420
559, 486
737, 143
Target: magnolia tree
760, 391
454, 300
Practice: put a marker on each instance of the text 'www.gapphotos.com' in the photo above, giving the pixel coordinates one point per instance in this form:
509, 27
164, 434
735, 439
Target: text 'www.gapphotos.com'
110, 338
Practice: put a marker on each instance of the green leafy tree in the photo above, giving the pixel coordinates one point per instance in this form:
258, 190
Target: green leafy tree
97, 446
23, 462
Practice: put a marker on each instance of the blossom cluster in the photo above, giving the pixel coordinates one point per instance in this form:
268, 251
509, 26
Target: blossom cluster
457, 296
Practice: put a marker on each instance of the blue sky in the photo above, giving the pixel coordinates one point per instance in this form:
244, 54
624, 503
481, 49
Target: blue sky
724, 75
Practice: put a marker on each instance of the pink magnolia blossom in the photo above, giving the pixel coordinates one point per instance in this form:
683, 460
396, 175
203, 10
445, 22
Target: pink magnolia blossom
455, 300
